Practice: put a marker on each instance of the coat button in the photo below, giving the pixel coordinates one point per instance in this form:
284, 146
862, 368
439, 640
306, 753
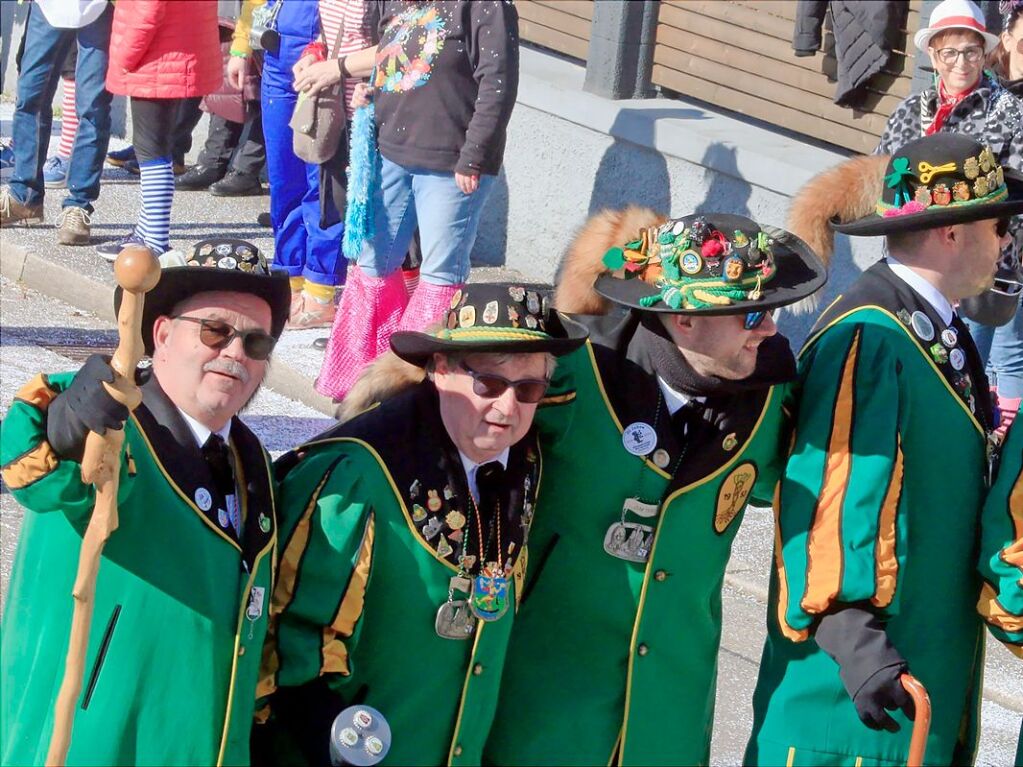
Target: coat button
642, 649
457, 750
477, 669
660, 575
241, 650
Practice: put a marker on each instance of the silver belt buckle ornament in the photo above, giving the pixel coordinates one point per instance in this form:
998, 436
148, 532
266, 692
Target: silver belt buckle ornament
630, 541
359, 736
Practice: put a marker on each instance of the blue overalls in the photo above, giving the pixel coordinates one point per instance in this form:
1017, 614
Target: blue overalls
301, 247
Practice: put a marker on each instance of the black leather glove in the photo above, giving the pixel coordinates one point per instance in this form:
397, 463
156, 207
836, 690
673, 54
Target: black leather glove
869, 665
83, 407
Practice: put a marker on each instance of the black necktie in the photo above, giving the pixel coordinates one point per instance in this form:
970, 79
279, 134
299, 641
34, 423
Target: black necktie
215, 452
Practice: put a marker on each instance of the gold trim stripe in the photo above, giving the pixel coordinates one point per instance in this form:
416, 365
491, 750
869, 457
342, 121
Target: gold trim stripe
993, 612
558, 399
886, 564
348, 614
480, 626
30, 467
37, 392
824, 543
793, 634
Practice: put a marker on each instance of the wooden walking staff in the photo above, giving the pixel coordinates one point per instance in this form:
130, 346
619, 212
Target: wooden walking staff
921, 721
137, 271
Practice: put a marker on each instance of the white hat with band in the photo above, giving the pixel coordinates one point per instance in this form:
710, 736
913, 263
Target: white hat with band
955, 14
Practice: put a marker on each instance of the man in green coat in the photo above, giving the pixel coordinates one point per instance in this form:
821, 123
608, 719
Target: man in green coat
406, 535
880, 506
183, 589
655, 436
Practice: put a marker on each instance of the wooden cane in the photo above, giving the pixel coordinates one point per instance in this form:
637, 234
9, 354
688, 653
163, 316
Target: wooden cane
137, 271
921, 722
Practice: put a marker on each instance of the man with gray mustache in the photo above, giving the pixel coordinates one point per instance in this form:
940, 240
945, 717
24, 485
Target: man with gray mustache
183, 591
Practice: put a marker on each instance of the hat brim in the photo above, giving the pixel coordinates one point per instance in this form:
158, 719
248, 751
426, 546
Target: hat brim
798, 274
181, 282
935, 216
923, 36
567, 335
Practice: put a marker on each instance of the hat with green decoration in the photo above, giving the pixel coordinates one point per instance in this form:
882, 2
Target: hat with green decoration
712, 263
494, 318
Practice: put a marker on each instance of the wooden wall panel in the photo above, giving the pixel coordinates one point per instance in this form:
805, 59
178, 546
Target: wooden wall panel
561, 25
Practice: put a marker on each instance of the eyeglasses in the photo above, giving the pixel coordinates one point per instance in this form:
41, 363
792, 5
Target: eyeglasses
951, 55
218, 335
754, 320
1002, 227
491, 386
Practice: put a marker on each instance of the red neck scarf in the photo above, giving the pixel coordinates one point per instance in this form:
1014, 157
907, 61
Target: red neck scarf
946, 103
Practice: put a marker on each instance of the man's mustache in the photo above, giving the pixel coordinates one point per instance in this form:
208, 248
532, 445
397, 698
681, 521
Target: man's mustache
227, 367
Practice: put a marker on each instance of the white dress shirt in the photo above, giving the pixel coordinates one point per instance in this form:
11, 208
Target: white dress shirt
471, 467
927, 291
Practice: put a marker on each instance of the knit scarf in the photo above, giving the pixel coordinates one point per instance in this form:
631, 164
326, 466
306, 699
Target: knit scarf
775, 363
946, 103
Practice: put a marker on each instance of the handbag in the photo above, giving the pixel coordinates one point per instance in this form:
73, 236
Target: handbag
318, 122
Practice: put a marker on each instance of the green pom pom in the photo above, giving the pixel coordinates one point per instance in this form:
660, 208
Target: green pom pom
614, 259
666, 238
670, 266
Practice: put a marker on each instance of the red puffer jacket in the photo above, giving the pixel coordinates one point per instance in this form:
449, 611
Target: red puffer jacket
164, 49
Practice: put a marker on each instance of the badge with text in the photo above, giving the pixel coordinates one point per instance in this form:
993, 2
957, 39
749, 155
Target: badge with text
639, 438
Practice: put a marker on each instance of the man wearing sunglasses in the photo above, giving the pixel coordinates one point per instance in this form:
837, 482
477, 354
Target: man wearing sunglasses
406, 535
183, 591
659, 432
879, 508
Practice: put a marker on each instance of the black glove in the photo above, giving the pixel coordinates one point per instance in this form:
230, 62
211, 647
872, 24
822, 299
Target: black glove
83, 407
869, 665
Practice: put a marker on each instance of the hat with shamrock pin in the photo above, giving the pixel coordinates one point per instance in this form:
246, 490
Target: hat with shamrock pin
712, 263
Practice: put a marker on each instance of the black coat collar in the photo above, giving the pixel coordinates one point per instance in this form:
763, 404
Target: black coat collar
174, 448
880, 286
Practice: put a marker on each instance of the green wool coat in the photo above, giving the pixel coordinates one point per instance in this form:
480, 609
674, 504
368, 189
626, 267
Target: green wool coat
362, 577
613, 661
181, 604
879, 507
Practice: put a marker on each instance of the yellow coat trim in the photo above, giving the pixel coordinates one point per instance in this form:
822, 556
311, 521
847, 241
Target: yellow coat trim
886, 564
30, 467
37, 392
335, 660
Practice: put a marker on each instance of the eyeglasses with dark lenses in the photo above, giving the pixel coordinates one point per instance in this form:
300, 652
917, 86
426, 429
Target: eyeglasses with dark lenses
754, 320
216, 334
1002, 227
491, 386
951, 55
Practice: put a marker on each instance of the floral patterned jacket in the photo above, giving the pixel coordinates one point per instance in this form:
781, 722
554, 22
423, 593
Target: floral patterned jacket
991, 113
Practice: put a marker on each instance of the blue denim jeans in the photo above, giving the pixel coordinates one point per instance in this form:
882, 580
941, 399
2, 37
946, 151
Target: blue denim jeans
1001, 349
45, 48
301, 247
448, 220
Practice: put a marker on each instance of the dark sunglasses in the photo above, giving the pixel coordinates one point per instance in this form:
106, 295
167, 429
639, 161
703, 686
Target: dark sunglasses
218, 335
754, 320
1002, 227
491, 386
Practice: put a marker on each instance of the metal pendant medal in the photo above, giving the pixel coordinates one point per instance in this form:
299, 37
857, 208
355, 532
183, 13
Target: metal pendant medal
454, 620
630, 541
490, 594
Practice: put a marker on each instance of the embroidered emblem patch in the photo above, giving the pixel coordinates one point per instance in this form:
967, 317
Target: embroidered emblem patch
733, 493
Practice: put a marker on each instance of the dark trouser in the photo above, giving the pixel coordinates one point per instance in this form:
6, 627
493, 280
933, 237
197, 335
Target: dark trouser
149, 118
187, 118
238, 145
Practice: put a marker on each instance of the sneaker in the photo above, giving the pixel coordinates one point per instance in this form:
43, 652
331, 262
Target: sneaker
236, 184
12, 211
132, 166
198, 177
111, 250
73, 226
313, 314
119, 157
55, 172
263, 219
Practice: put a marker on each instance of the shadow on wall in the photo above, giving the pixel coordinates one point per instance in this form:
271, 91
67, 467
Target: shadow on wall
630, 173
727, 191
492, 239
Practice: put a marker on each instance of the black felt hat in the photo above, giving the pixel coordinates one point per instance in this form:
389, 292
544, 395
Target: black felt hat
713, 263
940, 180
218, 264
494, 318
